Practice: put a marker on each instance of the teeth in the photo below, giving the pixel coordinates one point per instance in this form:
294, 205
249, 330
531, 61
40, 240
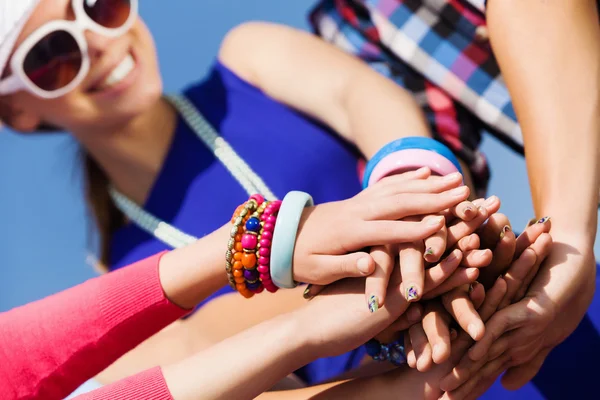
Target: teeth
120, 71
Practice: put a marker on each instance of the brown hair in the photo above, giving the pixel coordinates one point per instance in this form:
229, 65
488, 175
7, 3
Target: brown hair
106, 215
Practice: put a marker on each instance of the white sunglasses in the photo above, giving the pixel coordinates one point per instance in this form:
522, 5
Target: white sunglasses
54, 59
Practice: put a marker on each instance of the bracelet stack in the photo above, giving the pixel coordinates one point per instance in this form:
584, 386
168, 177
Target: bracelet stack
261, 244
408, 154
249, 247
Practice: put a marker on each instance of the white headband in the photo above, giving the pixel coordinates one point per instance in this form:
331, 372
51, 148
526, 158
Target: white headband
13, 16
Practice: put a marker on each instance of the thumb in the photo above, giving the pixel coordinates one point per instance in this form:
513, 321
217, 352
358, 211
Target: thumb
327, 268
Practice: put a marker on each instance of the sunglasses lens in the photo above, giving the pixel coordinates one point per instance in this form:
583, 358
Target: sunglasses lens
108, 13
54, 61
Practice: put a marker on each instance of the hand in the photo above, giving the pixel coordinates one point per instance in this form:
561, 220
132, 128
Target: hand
517, 278
330, 235
462, 219
337, 321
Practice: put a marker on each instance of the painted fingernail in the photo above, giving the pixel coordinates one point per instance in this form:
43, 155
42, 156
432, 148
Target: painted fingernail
543, 220
531, 222
411, 293
429, 252
468, 209
504, 230
373, 303
306, 293
435, 221
363, 265
472, 329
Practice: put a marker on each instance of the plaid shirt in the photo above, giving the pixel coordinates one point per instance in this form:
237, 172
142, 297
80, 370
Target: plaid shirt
438, 49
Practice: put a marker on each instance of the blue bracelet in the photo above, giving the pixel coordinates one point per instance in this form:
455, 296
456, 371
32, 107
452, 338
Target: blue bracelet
392, 352
284, 238
413, 142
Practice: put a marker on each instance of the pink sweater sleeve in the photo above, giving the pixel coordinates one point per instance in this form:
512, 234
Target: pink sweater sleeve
50, 347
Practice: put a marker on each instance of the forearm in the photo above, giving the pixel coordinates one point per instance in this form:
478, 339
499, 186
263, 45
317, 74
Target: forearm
243, 366
549, 56
190, 274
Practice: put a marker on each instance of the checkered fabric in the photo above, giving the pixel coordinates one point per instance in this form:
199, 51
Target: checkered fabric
438, 50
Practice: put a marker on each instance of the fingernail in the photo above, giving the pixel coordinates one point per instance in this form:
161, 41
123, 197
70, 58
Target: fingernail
531, 222
414, 314
363, 265
437, 351
451, 177
504, 230
451, 257
429, 251
453, 334
306, 293
468, 209
411, 293
373, 303
472, 329
434, 221
543, 220
459, 191
490, 201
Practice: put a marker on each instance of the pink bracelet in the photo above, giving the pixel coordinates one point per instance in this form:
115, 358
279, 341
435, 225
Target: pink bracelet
411, 159
269, 218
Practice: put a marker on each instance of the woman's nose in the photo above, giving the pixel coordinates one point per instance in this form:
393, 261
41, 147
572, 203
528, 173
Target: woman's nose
97, 43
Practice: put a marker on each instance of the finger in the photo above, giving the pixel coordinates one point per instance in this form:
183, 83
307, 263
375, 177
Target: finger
413, 183
516, 275
376, 283
435, 245
545, 246
312, 291
466, 366
333, 268
493, 230
421, 347
477, 258
436, 325
489, 369
458, 304
491, 204
530, 235
502, 321
516, 377
485, 383
402, 205
502, 259
461, 277
412, 316
437, 275
468, 243
373, 233
412, 269
465, 211
476, 294
459, 230
411, 358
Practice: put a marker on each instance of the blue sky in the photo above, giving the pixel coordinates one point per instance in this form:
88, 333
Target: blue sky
45, 230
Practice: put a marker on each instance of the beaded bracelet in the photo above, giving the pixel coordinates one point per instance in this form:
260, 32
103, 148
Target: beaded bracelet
234, 256
249, 246
392, 352
269, 219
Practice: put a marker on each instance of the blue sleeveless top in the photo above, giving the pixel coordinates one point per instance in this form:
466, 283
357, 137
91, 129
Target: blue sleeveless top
195, 193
